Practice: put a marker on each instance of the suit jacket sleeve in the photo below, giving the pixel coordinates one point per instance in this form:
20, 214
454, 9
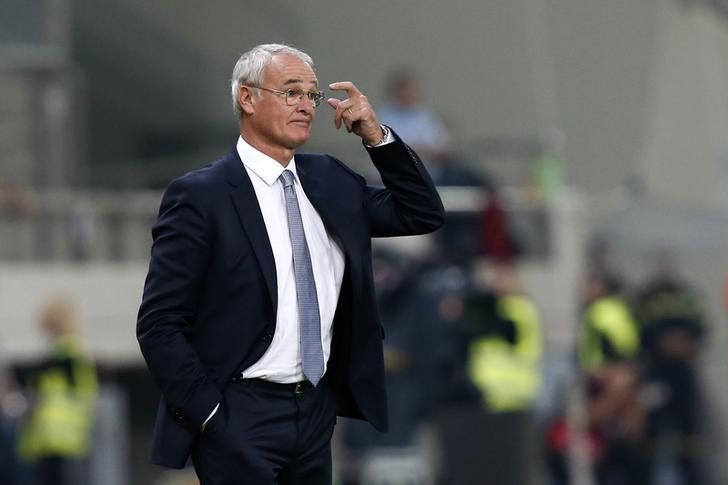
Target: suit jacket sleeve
409, 204
177, 271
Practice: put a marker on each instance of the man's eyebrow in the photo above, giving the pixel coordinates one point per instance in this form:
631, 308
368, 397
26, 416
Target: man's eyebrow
298, 81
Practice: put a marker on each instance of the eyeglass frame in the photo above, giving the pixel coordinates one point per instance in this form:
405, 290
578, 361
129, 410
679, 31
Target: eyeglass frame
288, 94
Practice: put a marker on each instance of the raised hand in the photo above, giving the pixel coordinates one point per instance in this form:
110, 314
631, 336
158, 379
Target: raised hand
355, 113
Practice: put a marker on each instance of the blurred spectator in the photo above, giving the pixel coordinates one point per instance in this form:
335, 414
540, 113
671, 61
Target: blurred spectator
413, 120
495, 237
444, 284
464, 235
62, 391
609, 332
413, 334
407, 112
494, 433
505, 343
615, 419
608, 346
12, 406
434, 316
396, 293
672, 323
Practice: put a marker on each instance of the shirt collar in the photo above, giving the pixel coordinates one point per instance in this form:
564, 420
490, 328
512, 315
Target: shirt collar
261, 164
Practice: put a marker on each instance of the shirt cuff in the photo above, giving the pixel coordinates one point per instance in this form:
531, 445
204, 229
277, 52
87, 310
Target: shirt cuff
386, 139
202, 428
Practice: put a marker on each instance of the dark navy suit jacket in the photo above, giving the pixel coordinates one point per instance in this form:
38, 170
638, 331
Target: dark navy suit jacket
210, 297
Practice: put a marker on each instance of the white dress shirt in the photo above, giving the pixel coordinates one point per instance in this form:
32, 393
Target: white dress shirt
282, 361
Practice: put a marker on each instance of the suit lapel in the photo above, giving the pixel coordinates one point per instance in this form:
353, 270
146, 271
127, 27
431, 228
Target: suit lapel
317, 185
248, 210
314, 185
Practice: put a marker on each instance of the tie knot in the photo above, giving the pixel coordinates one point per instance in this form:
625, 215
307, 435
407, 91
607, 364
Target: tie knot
287, 178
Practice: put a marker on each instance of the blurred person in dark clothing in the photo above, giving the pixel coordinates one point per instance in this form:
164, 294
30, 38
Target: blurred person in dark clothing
13, 405
669, 311
445, 284
410, 361
672, 322
403, 353
62, 389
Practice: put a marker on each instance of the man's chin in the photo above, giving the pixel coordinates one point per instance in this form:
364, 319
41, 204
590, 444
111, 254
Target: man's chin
297, 141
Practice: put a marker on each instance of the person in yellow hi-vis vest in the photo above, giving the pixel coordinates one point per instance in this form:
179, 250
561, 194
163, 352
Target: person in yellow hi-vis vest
608, 345
506, 345
63, 391
502, 348
609, 332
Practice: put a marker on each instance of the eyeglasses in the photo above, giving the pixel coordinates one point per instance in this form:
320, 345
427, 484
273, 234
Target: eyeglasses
295, 96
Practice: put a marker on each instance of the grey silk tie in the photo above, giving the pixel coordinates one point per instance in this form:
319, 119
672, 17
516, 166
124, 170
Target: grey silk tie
309, 321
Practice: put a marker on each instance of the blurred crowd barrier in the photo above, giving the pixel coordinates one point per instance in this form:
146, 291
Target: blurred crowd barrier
77, 225
96, 225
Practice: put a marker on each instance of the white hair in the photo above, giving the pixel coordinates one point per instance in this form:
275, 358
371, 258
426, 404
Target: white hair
248, 70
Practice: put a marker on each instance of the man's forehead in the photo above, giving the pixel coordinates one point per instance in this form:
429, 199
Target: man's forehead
288, 69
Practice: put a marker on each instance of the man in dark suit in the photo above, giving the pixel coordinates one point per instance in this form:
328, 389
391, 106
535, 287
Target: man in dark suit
251, 249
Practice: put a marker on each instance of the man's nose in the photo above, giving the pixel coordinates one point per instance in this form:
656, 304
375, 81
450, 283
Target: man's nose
306, 106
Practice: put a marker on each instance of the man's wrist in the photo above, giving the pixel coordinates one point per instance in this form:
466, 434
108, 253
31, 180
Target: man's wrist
386, 138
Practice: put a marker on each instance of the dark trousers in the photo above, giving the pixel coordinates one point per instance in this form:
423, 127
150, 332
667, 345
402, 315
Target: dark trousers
51, 471
484, 448
268, 434
678, 418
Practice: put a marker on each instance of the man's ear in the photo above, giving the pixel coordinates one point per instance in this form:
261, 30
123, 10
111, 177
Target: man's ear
245, 99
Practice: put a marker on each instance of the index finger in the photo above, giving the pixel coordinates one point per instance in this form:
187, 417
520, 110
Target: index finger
348, 86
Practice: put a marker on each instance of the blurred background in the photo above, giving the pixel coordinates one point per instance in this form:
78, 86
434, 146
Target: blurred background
568, 325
